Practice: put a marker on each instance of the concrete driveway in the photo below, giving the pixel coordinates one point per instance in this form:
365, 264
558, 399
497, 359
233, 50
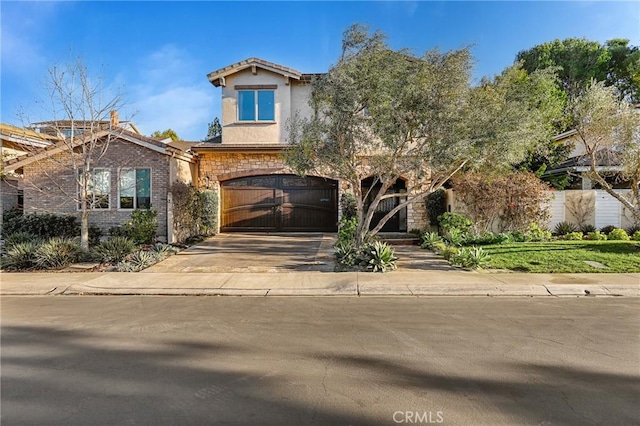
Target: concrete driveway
240, 252
236, 252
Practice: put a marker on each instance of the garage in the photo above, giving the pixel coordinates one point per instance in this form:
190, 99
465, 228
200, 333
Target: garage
279, 203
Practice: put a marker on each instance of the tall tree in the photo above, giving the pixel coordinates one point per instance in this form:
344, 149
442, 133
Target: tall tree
608, 129
215, 129
390, 114
167, 134
579, 60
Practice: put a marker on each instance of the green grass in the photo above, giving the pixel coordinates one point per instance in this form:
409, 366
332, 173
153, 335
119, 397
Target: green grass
565, 256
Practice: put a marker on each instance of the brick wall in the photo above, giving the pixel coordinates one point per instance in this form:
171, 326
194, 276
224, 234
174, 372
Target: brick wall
50, 185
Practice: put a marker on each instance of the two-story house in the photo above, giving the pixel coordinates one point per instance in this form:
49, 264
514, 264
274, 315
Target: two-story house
258, 191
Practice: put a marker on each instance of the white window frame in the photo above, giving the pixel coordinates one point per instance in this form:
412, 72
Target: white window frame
135, 192
93, 201
255, 105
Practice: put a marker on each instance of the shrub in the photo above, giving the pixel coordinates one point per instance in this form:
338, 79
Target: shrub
517, 237
57, 252
636, 236
607, 229
41, 225
448, 252
95, 234
144, 225
436, 206
115, 249
21, 255
456, 236
347, 228
17, 238
471, 257
483, 239
209, 201
618, 235
378, 257
346, 253
535, 233
517, 199
596, 236
439, 247
138, 261
573, 236
348, 205
585, 229
633, 229
429, 239
450, 221
564, 228
163, 249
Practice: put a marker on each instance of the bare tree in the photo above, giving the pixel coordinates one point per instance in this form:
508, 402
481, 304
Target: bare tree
83, 114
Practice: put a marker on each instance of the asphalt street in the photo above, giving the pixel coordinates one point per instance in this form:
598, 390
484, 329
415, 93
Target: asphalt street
319, 361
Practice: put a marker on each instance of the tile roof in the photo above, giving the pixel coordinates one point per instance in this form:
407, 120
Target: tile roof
214, 76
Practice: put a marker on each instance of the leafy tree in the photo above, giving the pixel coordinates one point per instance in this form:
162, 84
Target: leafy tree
215, 129
169, 133
391, 114
608, 129
615, 63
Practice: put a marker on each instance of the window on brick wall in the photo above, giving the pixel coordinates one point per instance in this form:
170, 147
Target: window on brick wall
98, 189
134, 189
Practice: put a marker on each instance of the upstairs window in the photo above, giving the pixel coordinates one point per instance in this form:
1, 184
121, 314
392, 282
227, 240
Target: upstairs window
135, 189
256, 105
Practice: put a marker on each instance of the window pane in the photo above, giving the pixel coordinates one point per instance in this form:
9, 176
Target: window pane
143, 188
246, 105
266, 105
101, 181
127, 183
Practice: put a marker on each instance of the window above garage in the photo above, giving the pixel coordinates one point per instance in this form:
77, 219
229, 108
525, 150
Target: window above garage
256, 105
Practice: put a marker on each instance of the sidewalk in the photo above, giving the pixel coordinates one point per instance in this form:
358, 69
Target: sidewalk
397, 283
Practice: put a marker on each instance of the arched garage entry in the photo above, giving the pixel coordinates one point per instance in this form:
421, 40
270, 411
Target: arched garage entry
279, 203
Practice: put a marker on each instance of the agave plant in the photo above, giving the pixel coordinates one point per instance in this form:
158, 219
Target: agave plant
378, 257
429, 239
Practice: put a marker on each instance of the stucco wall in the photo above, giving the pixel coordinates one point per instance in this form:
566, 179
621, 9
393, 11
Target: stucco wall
50, 185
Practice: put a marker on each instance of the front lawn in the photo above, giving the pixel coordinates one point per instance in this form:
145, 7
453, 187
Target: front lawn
565, 256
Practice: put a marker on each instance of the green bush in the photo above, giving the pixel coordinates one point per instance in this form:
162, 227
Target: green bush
21, 255
115, 249
436, 206
439, 247
596, 236
449, 252
95, 234
209, 201
470, 257
564, 228
618, 234
377, 257
143, 226
607, 229
585, 229
535, 233
429, 239
17, 238
636, 236
44, 225
347, 228
138, 261
449, 221
456, 236
348, 205
57, 252
573, 236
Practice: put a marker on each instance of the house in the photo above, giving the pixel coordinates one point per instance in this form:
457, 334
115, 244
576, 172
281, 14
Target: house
135, 171
258, 191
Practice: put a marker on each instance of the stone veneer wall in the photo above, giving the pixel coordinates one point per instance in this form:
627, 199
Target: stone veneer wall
47, 182
217, 167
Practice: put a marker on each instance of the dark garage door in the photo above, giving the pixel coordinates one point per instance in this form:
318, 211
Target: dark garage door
284, 203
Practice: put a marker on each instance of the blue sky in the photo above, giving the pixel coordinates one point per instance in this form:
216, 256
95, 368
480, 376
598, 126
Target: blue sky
158, 53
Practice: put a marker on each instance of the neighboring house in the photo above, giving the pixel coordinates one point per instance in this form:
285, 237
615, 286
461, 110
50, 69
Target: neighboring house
14, 142
258, 191
135, 172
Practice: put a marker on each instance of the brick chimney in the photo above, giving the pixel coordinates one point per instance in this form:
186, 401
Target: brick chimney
115, 118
